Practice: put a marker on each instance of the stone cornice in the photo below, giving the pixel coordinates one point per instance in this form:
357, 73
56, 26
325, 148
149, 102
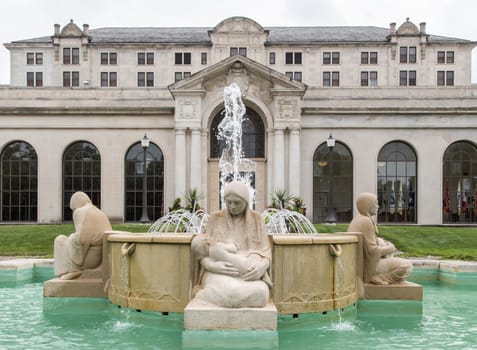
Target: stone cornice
428, 110
86, 111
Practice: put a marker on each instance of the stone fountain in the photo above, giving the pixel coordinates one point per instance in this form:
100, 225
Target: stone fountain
304, 272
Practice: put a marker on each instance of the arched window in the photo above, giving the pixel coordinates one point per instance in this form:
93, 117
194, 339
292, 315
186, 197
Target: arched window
19, 177
81, 172
253, 136
459, 182
342, 183
134, 180
397, 183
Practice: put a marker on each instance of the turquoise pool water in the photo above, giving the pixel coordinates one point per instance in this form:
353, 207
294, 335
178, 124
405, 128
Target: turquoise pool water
446, 319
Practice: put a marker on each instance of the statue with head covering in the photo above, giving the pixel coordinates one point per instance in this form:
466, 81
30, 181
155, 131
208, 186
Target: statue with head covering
379, 267
83, 249
234, 254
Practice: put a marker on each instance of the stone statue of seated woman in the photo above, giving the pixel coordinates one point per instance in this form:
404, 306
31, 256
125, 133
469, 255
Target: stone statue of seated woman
83, 249
234, 254
378, 265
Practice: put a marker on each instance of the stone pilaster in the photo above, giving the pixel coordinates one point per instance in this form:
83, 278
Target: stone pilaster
180, 161
294, 163
279, 160
195, 159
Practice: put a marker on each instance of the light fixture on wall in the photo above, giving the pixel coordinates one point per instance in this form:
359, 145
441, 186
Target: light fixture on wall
145, 145
331, 216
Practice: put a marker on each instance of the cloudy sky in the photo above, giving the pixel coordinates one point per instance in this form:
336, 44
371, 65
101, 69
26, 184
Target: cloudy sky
25, 19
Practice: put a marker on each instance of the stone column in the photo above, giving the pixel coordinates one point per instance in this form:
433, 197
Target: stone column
294, 163
195, 159
180, 161
279, 160
270, 162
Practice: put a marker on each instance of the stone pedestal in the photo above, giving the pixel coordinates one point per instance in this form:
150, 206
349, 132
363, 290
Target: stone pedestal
402, 291
199, 315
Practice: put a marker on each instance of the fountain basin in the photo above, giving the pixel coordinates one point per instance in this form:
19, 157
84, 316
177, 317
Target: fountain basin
158, 274
308, 278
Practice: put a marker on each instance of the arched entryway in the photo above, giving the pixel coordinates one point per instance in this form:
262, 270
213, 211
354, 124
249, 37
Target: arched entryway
253, 143
133, 177
397, 183
19, 182
81, 172
342, 180
459, 204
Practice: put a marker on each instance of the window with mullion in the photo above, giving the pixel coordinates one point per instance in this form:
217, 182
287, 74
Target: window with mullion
19, 192
459, 205
38, 78
30, 58
141, 79
150, 58
66, 55
364, 78
150, 79
134, 176
335, 58
81, 172
364, 57
141, 58
450, 78
397, 183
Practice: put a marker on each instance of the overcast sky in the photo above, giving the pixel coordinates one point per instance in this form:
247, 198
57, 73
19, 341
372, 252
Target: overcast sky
26, 19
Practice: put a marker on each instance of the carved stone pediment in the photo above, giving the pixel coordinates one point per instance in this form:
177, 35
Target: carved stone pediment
238, 24
239, 75
241, 70
71, 30
408, 28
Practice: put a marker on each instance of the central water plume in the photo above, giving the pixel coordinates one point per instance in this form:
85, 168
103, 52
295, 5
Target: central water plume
232, 165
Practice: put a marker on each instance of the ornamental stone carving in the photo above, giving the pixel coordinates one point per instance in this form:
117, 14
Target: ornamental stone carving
287, 109
71, 29
408, 28
187, 109
239, 75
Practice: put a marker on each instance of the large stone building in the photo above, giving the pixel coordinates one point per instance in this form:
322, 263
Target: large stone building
398, 101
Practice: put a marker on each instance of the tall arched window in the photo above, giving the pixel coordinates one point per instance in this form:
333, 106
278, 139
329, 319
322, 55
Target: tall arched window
253, 136
342, 183
134, 180
459, 182
397, 183
19, 177
81, 172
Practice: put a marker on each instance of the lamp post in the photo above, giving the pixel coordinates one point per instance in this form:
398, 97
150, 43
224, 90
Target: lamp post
331, 216
145, 145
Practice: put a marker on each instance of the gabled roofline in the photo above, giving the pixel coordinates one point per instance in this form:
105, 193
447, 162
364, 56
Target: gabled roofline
292, 86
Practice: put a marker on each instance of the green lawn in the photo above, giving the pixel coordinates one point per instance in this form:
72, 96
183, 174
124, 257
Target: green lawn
421, 241
414, 241
37, 240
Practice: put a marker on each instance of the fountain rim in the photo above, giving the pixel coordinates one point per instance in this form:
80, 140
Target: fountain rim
279, 239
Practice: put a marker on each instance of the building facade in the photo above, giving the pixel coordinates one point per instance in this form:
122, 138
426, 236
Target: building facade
399, 102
